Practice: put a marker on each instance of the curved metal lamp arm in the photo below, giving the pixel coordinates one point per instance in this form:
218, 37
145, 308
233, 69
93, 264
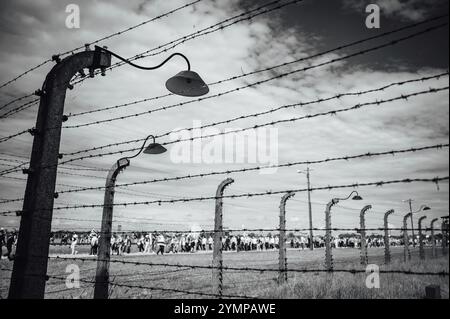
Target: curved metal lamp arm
338, 199
143, 67
142, 148
422, 208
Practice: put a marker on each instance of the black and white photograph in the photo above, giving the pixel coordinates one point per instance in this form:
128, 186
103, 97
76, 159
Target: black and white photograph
225, 155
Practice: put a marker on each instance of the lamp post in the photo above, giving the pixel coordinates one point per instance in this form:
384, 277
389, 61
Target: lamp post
30, 264
104, 248
311, 234
334, 201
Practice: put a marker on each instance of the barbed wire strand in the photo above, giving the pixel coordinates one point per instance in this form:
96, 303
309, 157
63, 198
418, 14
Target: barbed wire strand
265, 69
249, 169
279, 76
99, 40
257, 168
79, 79
318, 270
269, 111
220, 26
293, 119
434, 180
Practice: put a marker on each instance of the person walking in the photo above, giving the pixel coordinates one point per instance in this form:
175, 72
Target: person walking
73, 244
93, 239
210, 242
2, 241
127, 244
10, 243
161, 244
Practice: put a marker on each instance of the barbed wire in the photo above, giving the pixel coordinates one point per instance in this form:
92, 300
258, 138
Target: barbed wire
260, 82
268, 68
249, 169
20, 108
25, 73
133, 27
293, 119
17, 169
257, 168
7, 138
279, 76
79, 79
266, 193
220, 26
256, 126
269, 111
234, 230
97, 41
310, 116
20, 98
261, 270
188, 292
434, 180
112, 283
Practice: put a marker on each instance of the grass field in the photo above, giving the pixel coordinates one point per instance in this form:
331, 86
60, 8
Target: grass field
247, 283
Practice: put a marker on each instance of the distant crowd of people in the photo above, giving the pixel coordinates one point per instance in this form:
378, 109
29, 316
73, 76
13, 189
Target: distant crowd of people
160, 243
8, 239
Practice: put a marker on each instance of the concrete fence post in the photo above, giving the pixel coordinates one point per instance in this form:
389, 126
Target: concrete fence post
444, 228
218, 234
282, 260
328, 248
362, 222
101, 289
28, 277
406, 252
421, 248
433, 238
387, 243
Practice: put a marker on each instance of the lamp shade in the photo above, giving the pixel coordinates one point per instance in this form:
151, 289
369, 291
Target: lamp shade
357, 197
187, 83
426, 208
155, 148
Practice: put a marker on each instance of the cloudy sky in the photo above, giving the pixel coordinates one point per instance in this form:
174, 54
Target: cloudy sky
32, 31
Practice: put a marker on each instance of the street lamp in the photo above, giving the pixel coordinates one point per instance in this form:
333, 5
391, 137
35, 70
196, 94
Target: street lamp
104, 249
186, 83
311, 234
334, 201
30, 265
